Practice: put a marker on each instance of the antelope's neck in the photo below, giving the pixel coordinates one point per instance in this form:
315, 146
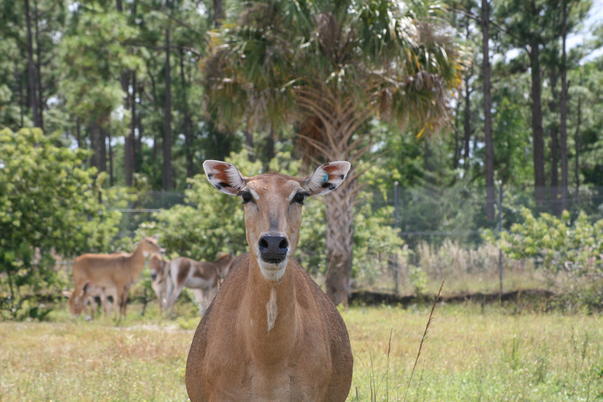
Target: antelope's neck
271, 318
137, 260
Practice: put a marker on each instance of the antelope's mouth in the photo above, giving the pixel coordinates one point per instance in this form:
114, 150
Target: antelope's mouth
273, 259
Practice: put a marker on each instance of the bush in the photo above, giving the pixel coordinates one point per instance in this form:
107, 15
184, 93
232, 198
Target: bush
557, 244
49, 205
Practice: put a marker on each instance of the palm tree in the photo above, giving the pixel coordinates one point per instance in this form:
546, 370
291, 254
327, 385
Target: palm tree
327, 67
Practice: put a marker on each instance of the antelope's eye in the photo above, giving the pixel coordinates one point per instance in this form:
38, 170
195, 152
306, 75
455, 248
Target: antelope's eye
299, 198
246, 196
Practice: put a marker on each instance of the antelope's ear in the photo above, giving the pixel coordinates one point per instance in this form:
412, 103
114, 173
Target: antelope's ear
327, 177
224, 176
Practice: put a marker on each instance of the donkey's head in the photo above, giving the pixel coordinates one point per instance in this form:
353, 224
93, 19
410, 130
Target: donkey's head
273, 204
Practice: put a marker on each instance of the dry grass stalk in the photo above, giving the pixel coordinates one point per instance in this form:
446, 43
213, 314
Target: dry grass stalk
435, 301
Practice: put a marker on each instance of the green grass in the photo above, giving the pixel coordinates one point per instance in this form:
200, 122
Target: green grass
470, 354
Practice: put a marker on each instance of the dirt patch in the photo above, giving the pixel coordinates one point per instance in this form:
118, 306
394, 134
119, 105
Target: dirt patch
369, 298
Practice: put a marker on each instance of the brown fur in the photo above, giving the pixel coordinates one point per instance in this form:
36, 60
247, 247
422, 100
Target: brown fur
182, 272
270, 340
118, 271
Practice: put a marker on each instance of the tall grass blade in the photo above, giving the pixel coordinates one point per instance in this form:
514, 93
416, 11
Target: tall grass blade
412, 373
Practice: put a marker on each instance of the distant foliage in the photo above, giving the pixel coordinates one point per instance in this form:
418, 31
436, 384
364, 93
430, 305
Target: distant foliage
557, 243
50, 205
210, 221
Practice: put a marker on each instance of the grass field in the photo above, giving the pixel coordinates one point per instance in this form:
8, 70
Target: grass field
471, 353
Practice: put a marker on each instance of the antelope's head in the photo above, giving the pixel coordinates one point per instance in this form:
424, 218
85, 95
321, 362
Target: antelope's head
150, 247
273, 204
223, 263
158, 268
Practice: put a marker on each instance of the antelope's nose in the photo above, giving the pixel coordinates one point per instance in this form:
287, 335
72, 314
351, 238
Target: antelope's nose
153, 276
273, 249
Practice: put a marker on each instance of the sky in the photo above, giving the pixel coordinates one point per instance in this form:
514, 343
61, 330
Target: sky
594, 18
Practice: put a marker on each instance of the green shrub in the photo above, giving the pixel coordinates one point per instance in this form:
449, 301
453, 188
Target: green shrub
50, 204
557, 243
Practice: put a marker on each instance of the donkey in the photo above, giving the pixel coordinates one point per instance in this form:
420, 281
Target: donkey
271, 333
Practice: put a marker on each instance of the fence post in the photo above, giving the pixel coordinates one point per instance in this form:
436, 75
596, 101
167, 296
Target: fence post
397, 204
394, 260
500, 253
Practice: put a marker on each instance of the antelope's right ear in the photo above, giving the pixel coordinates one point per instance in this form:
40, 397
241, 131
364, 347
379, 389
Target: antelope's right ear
224, 176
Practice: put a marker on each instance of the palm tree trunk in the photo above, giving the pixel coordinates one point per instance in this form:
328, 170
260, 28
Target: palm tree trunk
340, 220
486, 79
329, 136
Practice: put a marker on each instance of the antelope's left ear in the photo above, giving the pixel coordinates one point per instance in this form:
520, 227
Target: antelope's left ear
327, 177
224, 176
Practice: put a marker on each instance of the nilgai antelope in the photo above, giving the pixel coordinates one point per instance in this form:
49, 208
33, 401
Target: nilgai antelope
200, 276
159, 278
111, 271
270, 334
95, 296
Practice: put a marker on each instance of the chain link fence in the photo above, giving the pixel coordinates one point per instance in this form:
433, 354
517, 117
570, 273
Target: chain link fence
442, 229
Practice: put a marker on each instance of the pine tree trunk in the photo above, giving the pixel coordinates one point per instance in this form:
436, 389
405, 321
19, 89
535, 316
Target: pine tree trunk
467, 124
78, 133
97, 142
456, 156
40, 88
130, 102
32, 88
554, 134
340, 223
218, 13
187, 124
537, 129
129, 145
563, 114
487, 83
167, 174
138, 141
577, 141
110, 148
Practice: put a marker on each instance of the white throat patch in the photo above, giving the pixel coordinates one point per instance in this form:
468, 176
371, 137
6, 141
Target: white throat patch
271, 309
272, 272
